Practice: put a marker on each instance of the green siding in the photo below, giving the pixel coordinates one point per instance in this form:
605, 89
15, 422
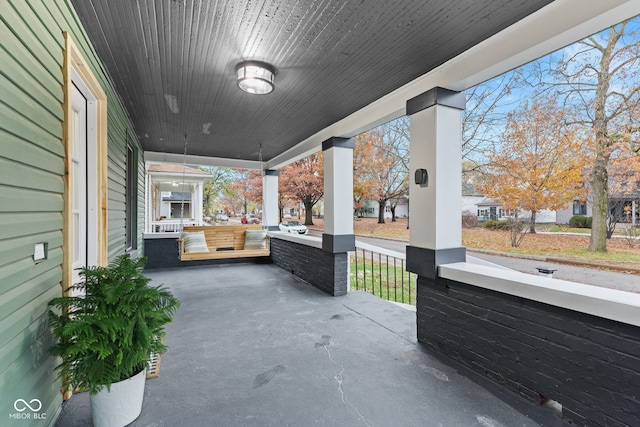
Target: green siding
31, 191
141, 199
22, 151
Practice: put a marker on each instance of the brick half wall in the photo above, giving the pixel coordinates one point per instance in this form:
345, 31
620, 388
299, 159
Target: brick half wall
588, 364
324, 270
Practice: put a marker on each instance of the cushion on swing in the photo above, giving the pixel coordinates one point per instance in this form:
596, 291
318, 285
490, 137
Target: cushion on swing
255, 239
194, 241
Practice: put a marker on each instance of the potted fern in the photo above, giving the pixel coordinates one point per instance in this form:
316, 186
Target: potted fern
105, 333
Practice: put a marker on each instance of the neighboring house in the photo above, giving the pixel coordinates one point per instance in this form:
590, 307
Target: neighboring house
624, 197
402, 207
174, 197
625, 210
486, 208
175, 204
372, 207
470, 198
369, 209
624, 200
577, 207
489, 209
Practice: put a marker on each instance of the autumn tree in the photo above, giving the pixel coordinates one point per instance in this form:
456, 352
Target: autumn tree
284, 200
487, 106
247, 188
303, 180
382, 171
397, 136
229, 203
601, 76
362, 170
215, 187
538, 165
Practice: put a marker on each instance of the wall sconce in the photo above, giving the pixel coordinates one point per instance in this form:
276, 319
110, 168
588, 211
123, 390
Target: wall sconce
421, 177
255, 77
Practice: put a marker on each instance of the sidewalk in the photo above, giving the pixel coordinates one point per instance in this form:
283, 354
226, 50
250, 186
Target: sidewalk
567, 261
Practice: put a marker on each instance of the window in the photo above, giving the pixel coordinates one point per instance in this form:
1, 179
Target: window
132, 199
579, 208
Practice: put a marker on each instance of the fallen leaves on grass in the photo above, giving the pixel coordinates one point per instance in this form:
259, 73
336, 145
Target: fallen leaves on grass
550, 245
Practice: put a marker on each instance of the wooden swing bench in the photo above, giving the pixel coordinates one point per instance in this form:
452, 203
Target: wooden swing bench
223, 242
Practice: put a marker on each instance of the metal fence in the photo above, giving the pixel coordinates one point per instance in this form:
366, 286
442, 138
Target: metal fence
382, 273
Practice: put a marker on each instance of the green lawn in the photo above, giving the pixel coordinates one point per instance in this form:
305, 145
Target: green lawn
389, 282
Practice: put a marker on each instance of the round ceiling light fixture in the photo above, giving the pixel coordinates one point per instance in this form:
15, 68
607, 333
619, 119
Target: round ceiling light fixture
255, 77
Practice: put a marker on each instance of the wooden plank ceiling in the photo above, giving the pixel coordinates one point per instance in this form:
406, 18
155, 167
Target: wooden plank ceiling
173, 62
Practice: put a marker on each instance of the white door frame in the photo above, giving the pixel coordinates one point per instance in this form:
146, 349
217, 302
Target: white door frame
77, 72
91, 168
78, 171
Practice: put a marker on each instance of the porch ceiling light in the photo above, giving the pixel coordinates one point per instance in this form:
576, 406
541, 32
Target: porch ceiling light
255, 77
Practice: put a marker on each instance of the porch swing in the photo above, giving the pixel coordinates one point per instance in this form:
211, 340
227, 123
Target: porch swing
205, 242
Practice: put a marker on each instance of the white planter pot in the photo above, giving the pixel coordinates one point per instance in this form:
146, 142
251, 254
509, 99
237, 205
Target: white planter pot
121, 405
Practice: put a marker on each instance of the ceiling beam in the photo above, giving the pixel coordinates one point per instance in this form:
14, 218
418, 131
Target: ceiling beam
157, 157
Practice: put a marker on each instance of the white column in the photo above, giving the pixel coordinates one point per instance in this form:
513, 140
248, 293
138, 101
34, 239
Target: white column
338, 195
270, 210
198, 200
435, 212
148, 228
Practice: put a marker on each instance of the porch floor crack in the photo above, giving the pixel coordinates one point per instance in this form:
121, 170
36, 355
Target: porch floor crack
339, 377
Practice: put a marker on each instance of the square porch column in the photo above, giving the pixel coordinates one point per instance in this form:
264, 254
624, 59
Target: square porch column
198, 198
148, 210
435, 188
338, 195
270, 210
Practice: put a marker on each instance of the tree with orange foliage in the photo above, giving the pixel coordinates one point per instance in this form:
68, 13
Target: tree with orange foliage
381, 172
539, 164
247, 187
303, 180
363, 163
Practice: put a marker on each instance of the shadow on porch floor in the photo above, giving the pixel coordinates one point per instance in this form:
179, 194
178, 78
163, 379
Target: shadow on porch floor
253, 346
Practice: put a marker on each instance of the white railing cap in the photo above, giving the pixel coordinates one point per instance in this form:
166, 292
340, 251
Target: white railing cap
607, 303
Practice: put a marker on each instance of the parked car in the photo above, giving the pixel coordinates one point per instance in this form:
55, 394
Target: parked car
293, 227
249, 219
222, 217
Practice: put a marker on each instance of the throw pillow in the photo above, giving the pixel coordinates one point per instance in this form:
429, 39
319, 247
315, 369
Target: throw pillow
194, 241
255, 239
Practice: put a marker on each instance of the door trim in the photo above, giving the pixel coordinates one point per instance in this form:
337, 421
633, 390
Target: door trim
76, 69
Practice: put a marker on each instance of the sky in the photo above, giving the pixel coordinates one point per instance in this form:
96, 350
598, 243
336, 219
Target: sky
526, 89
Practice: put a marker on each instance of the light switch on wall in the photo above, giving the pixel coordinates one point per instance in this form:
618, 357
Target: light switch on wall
40, 252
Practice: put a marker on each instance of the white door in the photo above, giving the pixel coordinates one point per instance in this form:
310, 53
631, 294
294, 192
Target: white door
78, 180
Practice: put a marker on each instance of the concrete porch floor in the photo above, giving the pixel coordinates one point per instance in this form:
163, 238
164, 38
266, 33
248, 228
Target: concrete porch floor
253, 346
